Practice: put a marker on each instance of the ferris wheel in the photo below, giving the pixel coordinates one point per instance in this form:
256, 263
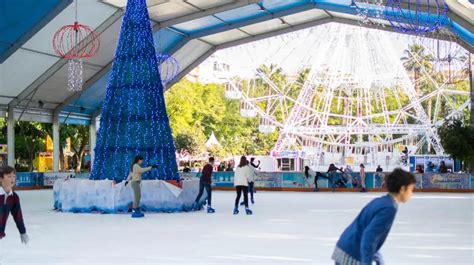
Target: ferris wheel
352, 95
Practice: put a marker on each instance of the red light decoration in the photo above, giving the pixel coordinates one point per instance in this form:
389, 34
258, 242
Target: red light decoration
76, 41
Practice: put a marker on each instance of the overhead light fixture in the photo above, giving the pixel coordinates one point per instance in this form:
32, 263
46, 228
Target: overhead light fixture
40, 104
82, 109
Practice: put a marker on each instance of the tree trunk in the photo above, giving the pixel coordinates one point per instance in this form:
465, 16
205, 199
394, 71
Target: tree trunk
79, 157
429, 110
31, 157
30, 150
61, 158
417, 85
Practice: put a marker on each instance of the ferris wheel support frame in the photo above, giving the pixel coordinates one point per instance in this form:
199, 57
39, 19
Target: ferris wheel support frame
307, 125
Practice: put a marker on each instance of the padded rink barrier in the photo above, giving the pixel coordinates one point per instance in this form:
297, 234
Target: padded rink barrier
85, 196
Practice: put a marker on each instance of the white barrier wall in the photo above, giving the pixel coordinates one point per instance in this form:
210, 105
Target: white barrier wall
84, 195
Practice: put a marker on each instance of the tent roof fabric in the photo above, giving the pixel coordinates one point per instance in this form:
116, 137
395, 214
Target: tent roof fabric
212, 141
20, 20
189, 30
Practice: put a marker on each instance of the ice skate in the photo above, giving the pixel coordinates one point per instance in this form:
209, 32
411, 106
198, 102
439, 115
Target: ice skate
136, 213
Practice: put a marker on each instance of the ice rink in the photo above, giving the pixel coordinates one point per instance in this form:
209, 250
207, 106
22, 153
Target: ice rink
286, 228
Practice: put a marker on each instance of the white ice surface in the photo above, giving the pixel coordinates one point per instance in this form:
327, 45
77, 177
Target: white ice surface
286, 228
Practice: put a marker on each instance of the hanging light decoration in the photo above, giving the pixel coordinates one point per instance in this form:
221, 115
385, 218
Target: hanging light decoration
168, 66
370, 12
447, 56
442, 50
419, 17
75, 42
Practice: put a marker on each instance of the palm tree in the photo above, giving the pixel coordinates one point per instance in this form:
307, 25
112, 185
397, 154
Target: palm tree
416, 59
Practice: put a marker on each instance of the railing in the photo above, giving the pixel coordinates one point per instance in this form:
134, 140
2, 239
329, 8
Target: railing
282, 180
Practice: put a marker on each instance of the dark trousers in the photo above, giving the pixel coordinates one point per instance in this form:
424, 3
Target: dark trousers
251, 185
208, 190
239, 190
320, 175
332, 180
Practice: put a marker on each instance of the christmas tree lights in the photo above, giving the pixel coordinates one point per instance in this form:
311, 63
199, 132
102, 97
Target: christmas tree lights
134, 119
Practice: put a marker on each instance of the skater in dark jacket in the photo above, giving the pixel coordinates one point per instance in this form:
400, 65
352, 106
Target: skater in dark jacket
362, 178
254, 168
332, 176
205, 183
308, 173
10, 203
360, 243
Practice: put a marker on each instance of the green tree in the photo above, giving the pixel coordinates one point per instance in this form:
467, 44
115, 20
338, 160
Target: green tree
30, 139
79, 137
458, 141
192, 142
3, 131
217, 151
204, 110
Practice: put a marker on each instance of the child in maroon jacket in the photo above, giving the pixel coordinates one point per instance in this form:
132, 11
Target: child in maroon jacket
10, 203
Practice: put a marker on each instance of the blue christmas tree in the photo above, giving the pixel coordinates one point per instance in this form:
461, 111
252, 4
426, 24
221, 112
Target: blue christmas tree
134, 119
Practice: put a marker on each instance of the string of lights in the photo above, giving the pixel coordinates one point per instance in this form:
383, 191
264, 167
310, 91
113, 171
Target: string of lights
169, 67
134, 119
416, 16
369, 11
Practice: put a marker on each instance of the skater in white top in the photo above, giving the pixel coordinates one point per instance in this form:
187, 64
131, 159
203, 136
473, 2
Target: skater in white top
241, 178
251, 188
135, 176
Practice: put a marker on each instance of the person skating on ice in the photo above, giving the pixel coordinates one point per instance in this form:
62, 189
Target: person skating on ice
10, 203
362, 178
241, 177
253, 164
256, 168
361, 241
308, 173
253, 168
205, 183
332, 176
135, 177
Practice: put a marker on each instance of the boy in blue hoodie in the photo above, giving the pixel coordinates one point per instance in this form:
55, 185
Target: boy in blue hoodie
360, 243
